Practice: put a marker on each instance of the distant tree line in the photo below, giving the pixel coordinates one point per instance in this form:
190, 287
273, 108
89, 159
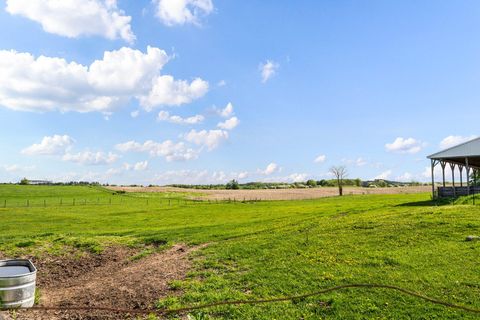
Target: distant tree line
26, 181
235, 185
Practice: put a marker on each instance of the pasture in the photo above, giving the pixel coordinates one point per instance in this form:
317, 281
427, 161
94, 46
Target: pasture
254, 250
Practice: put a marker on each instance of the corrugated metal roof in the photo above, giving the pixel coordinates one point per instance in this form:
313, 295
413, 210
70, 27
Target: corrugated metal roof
467, 149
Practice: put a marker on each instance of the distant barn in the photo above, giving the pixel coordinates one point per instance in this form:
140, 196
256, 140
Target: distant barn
464, 157
39, 182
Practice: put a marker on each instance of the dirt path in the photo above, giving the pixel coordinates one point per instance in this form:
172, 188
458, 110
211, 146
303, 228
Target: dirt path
107, 280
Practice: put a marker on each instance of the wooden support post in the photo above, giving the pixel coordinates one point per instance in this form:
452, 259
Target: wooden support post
475, 173
460, 168
443, 164
433, 163
452, 166
468, 175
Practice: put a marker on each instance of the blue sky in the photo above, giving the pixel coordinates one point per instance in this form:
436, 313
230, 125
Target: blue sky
203, 91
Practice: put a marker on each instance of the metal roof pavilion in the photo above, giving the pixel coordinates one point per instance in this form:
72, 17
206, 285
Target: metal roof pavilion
463, 156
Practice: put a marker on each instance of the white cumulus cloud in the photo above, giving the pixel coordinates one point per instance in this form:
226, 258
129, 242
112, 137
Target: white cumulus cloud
427, 173
168, 91
91, 158
74, 18
50, 145
243, 175
294, 177
452, 141
180, 12
168, 149
384, 175
29, 83
229, 124
134, 114
359, 162
140, 166
268, 70
270, 169
196, 177
297, 177
320, 159
165, 116
225, 112
17, 168
208, 138
406, 177
404, 145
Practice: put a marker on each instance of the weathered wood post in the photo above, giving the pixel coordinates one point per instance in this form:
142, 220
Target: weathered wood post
467, 166
443, 164
460, 168
433, 163
475, 172
452, 166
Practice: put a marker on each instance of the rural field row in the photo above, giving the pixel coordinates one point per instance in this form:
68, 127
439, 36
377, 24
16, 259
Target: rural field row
274, 194
186, 255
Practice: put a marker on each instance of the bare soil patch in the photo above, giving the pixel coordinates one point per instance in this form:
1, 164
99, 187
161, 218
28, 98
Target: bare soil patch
276, 194
109, 279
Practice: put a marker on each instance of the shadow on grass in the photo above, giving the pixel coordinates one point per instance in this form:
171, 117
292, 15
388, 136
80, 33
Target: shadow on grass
427, 203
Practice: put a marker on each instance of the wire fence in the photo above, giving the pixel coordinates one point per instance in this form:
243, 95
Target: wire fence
113, 201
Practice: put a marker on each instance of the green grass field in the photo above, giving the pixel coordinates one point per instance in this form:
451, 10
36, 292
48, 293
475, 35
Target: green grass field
272, 248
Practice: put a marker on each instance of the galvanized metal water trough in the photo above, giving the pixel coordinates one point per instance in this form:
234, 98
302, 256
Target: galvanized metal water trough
17, 283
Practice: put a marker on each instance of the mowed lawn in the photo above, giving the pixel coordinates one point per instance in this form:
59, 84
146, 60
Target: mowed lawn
272, 249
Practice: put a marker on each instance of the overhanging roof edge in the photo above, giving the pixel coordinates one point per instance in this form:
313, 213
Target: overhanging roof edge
434, 155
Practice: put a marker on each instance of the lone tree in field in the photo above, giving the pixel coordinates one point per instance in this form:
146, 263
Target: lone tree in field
340, 173
233, 185
312, 183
